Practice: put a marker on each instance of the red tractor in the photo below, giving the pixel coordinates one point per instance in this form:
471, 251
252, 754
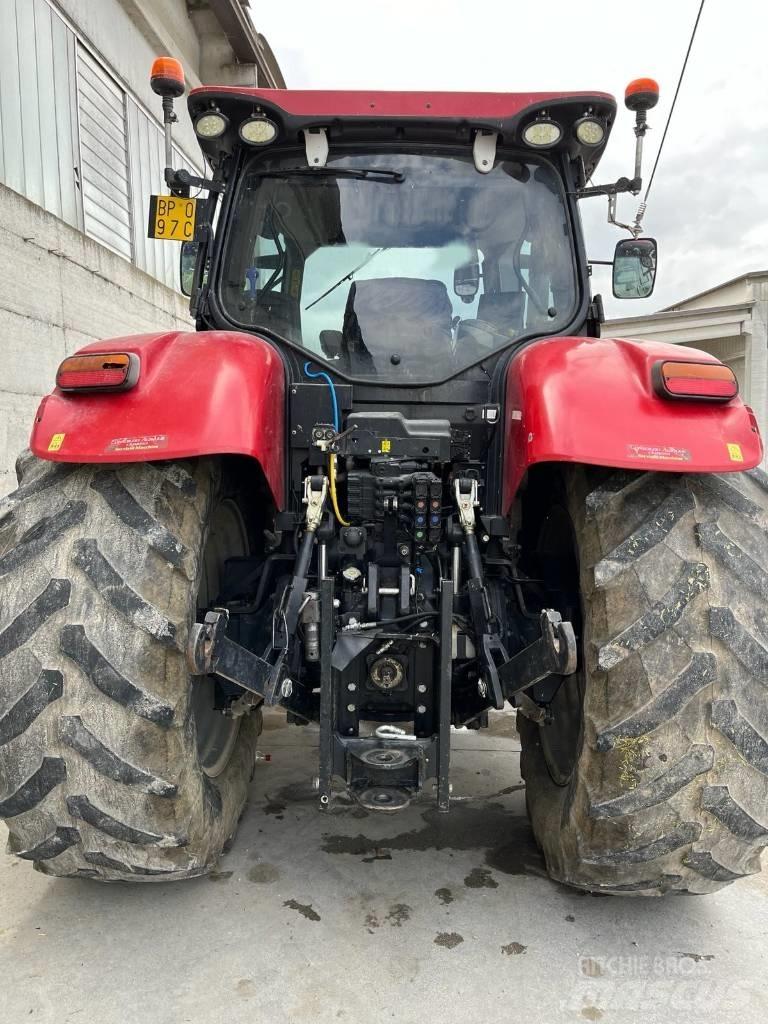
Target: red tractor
394, 480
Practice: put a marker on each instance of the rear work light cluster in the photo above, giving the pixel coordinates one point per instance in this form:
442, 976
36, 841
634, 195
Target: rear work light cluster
98, 371
711, 382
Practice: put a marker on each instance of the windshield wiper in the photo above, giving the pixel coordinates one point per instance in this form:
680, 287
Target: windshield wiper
360, 173
347, 277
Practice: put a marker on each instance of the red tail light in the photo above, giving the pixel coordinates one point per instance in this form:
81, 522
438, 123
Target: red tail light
100, 371
712, 382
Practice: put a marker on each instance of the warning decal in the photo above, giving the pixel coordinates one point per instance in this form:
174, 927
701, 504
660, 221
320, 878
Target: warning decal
658, 452
145, 443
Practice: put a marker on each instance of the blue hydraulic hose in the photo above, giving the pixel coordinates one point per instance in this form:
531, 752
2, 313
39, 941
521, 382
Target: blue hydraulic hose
327, 378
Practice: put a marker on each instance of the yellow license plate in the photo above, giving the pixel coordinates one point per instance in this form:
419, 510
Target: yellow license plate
171, 217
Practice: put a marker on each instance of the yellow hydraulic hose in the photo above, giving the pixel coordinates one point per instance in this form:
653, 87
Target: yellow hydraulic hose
332, 487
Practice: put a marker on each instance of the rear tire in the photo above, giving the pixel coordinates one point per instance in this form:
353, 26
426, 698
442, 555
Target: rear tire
668, 714
102, 772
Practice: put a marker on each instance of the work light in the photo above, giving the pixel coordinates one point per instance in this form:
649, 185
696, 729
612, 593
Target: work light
258, 130
589, 131
542, 133
211, 124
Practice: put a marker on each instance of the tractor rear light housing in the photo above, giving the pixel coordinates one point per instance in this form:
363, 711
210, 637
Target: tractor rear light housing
711, 382
98, 371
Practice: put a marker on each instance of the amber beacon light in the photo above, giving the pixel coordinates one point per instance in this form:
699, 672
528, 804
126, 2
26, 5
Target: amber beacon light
167, 77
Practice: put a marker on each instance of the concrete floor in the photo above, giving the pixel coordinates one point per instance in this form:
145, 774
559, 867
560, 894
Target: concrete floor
413, 917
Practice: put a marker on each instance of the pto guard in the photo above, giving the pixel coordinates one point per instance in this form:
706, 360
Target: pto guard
198, 393
591, 400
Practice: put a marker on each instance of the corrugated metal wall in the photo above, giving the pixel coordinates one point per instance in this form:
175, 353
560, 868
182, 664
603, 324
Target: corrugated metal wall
103, 156
38, 134
75, 141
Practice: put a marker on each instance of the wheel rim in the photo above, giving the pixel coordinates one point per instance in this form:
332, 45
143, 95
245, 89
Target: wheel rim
216, 733
561, 737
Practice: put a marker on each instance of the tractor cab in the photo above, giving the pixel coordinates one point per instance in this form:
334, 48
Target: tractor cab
397, 238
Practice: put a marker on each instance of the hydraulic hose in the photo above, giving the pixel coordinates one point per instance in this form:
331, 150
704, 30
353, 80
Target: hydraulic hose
332, 489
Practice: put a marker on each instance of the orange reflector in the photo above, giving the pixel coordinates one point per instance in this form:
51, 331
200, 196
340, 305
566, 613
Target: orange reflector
99, 371
167, 77
710, 381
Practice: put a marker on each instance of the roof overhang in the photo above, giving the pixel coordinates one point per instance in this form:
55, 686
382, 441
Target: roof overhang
370, 113
248, 46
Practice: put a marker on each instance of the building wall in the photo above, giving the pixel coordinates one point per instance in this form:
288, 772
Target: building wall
81, 151
60, 291
75, 137
729, 294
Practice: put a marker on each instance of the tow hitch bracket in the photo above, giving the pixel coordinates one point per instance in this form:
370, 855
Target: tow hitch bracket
211, 652
554, 653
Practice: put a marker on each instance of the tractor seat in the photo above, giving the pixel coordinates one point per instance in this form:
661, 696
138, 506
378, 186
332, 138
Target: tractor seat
403, 317
501, 311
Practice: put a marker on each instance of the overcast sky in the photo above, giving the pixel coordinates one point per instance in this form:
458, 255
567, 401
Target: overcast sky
709, 204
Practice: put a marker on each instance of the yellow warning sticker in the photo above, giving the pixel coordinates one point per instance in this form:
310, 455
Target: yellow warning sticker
56, 442
386, 446
734, 452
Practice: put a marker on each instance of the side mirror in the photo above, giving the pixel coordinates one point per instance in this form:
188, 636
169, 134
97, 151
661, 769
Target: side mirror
466, 281
187, 264
634, 268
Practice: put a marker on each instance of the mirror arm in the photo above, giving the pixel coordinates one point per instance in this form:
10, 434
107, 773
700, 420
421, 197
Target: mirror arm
612, 216
632, 185
180, 182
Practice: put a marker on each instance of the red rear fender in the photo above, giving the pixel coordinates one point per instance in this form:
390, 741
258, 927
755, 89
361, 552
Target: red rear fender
204, 393
591, 400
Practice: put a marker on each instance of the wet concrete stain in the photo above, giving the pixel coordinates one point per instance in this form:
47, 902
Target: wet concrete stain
398, 914
262, 874
508, 790
591, 1013
513, 949
273, 807
448, 940
305, 909
445, 896
395, 917
480, 878
591, 968
378, 854
506, 838
372, 922
697, 957
219, 876
296, 793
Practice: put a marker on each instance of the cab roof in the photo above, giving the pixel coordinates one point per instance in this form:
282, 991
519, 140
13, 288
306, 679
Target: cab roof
414, 116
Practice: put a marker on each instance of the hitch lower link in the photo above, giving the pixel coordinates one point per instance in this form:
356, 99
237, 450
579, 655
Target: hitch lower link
505, 677
211, 652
